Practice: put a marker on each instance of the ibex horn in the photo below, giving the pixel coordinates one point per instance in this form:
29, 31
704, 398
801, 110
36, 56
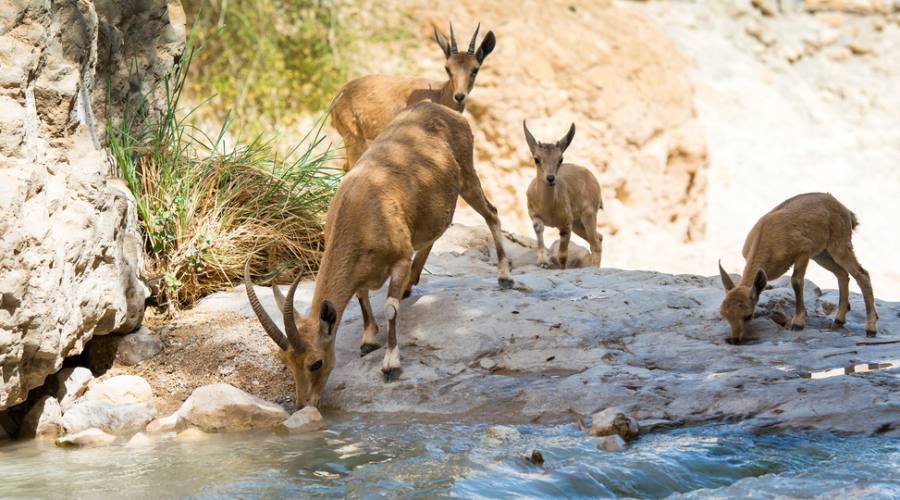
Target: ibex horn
472, 43
453, 49
290, 328
267, 323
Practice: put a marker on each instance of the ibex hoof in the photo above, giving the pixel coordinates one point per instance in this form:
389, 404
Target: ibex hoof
407, 293
367, 348
797, 327
733, 341
391, 374
871, 333
505, 283
545, 265
838, 323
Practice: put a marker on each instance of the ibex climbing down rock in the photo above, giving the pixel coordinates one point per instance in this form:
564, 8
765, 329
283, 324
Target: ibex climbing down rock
365, 106
563, 196
397, 201
808, 226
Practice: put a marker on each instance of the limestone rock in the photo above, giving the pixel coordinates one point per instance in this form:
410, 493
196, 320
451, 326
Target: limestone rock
70, 250
306, 420
191, 434
223, 407
136, 347
140, 439
611, 443
172, 423
71, 383
109, 417
87, 437
121, 389
613, 421
43, 420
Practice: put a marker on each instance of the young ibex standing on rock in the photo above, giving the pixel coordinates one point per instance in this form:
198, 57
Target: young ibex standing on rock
563, 196
808, 226
398, 200
365, 106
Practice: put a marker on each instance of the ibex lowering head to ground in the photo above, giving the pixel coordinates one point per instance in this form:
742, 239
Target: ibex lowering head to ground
564, 196
365, 106
808, 226
398, 200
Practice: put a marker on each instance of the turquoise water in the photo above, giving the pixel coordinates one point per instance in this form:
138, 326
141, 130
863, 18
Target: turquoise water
358, 458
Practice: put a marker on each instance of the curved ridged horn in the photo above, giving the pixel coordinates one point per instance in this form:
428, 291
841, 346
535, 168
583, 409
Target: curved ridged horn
290, 328
472, 43
267, 323
453, 49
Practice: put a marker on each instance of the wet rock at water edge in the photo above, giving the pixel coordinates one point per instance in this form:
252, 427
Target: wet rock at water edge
613, 421
108, 417
138, 346
43, 420
140, 439
191, 434
87, 437
172, 423
537, 458
121, 389
306, 420
611, 443
223, 407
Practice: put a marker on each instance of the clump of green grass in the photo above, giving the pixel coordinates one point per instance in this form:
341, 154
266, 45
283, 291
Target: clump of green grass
205, 208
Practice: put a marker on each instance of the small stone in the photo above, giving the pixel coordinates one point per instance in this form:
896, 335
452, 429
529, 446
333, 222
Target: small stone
611, 443
191, 434
762, 35
488, 364
108, 417
613, 421
121, 389
43, 420
306, 420
838, 54
536, 457
223, 407
172, 423
71, 384
137, 347
140, 439
860, 48
87, 437
767, 7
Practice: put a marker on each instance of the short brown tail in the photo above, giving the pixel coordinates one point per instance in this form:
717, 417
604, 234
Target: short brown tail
853, 221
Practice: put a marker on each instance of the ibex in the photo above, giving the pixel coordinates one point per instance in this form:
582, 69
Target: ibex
398, 200
808, 226
365, 106
564, 196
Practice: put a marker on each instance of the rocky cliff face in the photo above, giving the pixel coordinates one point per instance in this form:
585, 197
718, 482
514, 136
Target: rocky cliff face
70, 252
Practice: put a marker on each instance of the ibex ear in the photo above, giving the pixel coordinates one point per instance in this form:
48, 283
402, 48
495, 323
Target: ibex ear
442, 41
565, 141
327, 319
759, 282
726, 280
532, 144
486, 47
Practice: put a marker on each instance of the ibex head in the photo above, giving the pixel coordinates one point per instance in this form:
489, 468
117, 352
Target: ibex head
463, 68
307, 344
740, 301
548, 157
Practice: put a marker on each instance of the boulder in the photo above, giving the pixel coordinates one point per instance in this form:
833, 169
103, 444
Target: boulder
172, 423
121, 389
87, 437
611, 443
139, 346
71, 383
306, 420
43, 420
110, 417
140, 439
191, 434
71, 250
223, 407
613, 421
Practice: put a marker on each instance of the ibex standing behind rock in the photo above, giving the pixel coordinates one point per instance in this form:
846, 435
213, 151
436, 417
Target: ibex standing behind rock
398, 200
564, 196
808, 226
365, 106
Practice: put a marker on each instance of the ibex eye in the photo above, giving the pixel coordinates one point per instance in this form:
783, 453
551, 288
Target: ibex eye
537, 161
315, 366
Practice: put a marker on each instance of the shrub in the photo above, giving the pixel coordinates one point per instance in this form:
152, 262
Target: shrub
205, 208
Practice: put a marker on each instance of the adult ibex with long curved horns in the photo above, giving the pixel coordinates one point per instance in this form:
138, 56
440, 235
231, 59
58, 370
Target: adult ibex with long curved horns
365, 106
397, 201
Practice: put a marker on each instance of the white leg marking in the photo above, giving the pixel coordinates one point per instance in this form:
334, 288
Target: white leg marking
391, 358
